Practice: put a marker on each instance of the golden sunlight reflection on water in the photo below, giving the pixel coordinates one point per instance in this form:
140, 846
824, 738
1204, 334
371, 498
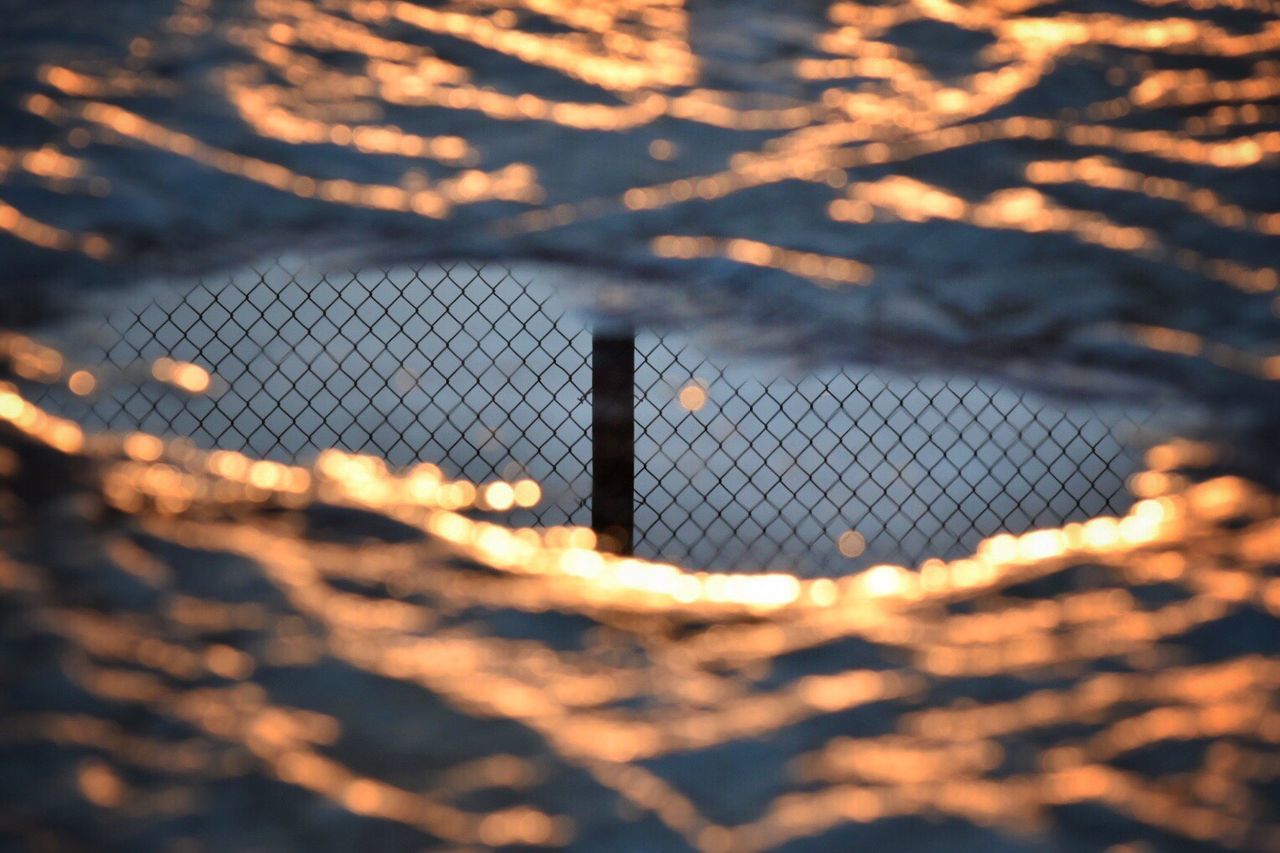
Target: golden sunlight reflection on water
1041, 672
386, 608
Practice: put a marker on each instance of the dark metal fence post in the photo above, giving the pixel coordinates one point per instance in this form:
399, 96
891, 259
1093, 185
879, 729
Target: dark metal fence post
613, 437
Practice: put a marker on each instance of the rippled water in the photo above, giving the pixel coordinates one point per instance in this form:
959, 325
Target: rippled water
206, 649
921, 183
1123, 662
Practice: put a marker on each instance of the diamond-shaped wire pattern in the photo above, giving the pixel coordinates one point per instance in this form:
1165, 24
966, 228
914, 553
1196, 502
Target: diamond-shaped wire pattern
459, 365
770, 473
468, 367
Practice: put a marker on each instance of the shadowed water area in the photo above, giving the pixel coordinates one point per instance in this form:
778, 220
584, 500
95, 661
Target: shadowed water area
223, 635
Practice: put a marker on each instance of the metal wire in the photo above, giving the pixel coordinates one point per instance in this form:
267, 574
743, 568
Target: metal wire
471, 368
771, 473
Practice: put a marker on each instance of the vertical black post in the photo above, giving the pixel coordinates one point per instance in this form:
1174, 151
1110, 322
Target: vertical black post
613, 353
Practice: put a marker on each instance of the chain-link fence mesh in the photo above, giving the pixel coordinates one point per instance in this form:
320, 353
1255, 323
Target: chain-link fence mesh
459, 365
485, 374
847, 467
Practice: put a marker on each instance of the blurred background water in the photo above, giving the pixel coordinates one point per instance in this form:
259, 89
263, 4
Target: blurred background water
914, 217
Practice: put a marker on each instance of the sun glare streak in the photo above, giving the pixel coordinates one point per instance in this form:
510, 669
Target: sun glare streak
824, 270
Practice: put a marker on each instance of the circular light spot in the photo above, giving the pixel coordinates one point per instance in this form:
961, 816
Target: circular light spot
852, 543
693, 396
662, 149
82, 383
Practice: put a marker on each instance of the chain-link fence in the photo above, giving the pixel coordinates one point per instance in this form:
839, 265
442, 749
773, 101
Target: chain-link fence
458, 365
469, 367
